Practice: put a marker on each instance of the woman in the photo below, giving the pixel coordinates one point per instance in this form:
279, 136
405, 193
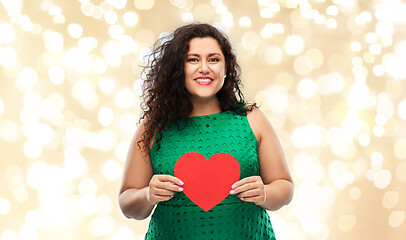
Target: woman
193, 103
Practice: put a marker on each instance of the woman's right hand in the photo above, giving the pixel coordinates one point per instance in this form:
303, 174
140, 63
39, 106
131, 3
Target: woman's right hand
162, 188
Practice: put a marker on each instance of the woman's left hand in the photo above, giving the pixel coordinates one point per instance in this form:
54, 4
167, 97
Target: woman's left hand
250, 189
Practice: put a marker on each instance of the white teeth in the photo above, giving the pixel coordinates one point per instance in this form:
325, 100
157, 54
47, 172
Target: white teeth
204, 80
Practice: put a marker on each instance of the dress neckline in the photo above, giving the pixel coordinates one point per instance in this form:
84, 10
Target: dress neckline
208, 115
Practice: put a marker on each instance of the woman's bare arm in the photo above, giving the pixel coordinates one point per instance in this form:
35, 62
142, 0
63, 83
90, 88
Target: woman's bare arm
141, 190
274, 171
138, 172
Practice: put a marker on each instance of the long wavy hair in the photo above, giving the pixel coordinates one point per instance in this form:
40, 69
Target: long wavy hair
165, 97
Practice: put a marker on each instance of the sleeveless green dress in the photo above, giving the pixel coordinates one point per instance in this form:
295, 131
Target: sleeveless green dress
180, 218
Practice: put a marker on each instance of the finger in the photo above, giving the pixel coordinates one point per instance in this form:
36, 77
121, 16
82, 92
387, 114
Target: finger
256, 200
172, 179
162, 192
245, 181
246, 187
250, 193
156, 199
169, 186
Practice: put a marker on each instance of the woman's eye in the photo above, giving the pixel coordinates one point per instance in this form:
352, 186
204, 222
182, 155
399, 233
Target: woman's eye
214, 60
192, 60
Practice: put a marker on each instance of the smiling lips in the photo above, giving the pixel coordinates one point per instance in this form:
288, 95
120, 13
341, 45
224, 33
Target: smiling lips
204, 80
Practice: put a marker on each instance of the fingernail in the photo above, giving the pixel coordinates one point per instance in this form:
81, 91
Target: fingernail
180, 189
232, 192
180, 182
233, 186
241, 198
172, 196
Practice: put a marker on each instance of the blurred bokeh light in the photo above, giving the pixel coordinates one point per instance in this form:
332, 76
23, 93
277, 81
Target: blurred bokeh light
330, 75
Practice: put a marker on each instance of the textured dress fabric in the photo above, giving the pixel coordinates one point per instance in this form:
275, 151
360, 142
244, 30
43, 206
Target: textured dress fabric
180, 218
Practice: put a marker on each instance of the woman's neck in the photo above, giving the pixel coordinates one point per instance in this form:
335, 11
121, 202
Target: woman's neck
201, 108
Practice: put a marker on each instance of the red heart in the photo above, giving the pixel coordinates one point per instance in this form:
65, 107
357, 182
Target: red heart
207, 182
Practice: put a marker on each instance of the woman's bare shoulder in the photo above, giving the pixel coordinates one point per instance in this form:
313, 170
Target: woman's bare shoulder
255, 115
258, 122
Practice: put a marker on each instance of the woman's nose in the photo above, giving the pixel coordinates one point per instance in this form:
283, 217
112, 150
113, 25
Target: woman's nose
204, 68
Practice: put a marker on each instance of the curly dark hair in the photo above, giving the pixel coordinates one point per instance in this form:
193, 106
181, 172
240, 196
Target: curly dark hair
165, 97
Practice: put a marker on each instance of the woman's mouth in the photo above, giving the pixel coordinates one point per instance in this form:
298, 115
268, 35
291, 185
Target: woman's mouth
204, 80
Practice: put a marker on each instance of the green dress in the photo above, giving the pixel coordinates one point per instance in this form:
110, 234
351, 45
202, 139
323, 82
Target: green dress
180, 218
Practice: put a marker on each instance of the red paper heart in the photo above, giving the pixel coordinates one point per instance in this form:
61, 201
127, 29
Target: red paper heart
207, 182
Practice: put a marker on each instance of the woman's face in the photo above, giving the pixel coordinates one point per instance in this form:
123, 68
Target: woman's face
205, 69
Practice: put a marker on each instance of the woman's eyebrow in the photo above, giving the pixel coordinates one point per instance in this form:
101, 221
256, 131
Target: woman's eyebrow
197, 55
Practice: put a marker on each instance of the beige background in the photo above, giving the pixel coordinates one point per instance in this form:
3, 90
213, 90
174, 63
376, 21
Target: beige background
330, 75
